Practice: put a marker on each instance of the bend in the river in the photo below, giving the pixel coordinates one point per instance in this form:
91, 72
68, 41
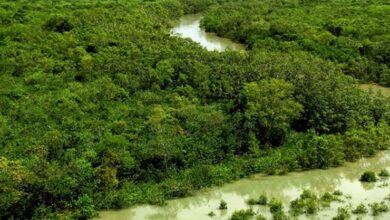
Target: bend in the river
189, 27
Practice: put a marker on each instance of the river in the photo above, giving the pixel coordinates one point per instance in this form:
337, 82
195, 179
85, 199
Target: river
189, 27
285, 188
385, 91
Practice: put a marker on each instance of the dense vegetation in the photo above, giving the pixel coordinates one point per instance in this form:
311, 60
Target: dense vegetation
101, 108
310, 204
354, 35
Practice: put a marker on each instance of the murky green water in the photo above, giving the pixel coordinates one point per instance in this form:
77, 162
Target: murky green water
189, 27
285, 188
376, 88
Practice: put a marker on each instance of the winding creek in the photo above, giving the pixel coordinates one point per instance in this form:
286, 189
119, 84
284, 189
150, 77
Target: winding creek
286, 188
189, 27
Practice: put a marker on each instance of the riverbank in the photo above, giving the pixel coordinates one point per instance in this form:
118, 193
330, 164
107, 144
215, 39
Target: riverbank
284, 188
102, 108
376, 88
189, 27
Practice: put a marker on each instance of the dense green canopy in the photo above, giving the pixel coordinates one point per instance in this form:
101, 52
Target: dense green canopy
355, 35
101, 108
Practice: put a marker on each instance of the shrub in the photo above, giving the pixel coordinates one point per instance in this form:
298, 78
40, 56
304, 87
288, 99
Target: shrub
360, 209
378, 208
312, 206
368, 176
58, 24
201, 176
263, 200
337, 193
307, 194
327, 198
43, 212
260, 217
242, 215
211, 214
283, 171
306, 203
323, 152
222, 205
342, 214
251, 202
384, 173
84, 208
279, 216
271, 172
297, 207
275, 206
173, 188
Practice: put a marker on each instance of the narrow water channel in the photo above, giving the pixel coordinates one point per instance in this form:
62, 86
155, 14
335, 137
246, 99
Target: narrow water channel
189, 27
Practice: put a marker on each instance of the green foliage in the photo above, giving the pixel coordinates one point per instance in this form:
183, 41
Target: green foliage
242, 215
201, 176
368, 176
275, 206
280, 215
360, 209
337, 193
260, 217
44, 212
262, 200
384, 173
327, 198
84, 208
307, 203
269, 110
350, 34
58, 24
100, 108
323, 152
14, 182
211, 214
378, 208
222, 205
297, 207
251, 201
342, 214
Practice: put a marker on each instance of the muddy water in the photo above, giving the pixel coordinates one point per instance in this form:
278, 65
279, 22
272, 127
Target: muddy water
285, 188
189, 27
376, 88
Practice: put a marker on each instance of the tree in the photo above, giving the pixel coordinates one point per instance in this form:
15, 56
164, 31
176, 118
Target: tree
3, 129
15, 180
163, 133
323, 151
269, 109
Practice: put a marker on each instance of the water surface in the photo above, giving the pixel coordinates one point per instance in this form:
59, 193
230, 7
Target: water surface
189, 27
285, 188
376, 88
